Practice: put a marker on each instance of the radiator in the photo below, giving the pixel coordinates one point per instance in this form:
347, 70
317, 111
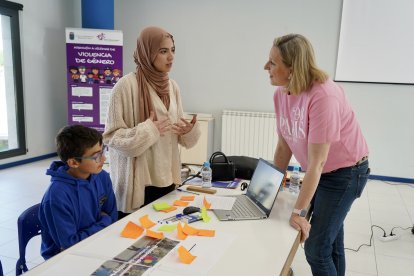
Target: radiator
249, 134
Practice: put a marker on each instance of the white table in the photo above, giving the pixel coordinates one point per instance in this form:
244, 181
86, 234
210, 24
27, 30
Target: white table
257, 247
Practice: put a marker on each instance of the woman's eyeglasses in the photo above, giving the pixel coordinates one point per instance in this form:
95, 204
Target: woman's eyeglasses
97, 157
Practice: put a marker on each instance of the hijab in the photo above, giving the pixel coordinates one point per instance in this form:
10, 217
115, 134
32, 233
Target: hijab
148, 44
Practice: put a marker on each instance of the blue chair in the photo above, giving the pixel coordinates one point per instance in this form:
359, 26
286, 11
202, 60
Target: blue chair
28, 226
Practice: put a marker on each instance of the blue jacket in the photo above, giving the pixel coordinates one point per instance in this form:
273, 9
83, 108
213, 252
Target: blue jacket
71, 208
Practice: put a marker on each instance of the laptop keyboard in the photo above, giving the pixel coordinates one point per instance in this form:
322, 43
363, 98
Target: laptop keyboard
244, 208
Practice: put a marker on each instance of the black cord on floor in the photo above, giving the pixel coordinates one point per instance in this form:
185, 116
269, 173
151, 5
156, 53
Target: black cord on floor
398, 227
372, 234
372, 226
400, 184
370, 239
385, 235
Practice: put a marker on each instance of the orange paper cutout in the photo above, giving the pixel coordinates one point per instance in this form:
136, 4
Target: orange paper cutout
206, 203
131, 230
180, 233
185, 256
169, 209
187, 198
206, 233
146, 222
153, 234
191, 231
180, 203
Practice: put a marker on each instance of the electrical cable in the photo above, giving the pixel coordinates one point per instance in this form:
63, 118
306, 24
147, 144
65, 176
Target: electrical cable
190, 178
372, 234
399, 184
385, 235
372, 226
396, 227
370, 239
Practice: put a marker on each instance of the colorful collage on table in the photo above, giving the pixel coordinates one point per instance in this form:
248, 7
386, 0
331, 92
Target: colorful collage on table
137, 258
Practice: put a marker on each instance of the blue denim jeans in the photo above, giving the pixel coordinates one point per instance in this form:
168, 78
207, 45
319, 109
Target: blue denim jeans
336, 191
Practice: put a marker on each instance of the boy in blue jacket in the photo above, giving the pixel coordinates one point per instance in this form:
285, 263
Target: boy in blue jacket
79, 201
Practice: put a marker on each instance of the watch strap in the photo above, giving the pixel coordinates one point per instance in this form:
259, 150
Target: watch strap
300, 212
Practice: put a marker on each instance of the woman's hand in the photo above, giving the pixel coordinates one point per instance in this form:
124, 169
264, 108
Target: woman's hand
184, 127
163, 125
300, 224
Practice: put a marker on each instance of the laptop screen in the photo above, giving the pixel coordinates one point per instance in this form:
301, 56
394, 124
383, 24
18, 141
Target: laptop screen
264, 185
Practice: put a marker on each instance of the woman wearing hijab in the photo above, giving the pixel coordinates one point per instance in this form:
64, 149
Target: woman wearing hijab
145, 125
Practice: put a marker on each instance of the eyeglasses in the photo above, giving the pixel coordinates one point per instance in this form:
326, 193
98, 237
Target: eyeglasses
97, 157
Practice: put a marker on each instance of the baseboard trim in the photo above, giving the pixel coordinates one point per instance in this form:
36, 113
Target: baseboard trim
382, 178
392, 179
26, 161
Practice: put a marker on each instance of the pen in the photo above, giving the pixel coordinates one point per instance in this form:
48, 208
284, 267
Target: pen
185, 191
192, 247
171, 219
182, 217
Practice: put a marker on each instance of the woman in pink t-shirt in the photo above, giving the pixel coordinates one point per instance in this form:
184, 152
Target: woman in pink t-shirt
316, 124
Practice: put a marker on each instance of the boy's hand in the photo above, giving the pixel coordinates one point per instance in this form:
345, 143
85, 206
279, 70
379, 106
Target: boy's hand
103, 214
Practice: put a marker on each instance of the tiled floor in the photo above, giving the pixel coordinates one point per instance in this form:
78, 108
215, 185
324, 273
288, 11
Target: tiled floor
20, 188
387, 205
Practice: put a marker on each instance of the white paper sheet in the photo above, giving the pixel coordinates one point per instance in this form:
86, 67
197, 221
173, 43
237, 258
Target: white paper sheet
207, 250
217, 202
73, 265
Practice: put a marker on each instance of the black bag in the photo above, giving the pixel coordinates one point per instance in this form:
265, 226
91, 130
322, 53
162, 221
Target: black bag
222, 170
244, 165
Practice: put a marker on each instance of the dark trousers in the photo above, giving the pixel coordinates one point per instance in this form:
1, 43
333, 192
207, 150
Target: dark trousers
152, 193
324, 249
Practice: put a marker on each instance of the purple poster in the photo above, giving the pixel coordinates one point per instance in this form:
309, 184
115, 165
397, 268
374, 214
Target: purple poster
94, 65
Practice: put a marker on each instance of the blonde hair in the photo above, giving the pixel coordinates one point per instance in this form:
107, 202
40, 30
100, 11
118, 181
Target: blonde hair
297, 53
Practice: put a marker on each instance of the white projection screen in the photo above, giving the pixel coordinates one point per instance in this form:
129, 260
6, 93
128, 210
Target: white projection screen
376, 42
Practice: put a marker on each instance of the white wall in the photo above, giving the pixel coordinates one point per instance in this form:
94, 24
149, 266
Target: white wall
223, 45
221, 49
42, 33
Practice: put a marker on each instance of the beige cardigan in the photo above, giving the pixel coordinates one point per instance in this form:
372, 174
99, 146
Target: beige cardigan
139, 156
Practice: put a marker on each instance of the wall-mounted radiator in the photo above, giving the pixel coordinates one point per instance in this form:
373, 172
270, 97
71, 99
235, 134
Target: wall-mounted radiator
249, 133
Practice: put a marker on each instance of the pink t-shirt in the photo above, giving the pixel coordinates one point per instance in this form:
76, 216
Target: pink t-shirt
320, 115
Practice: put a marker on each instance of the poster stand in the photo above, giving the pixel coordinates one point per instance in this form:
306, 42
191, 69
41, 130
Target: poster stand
94, 65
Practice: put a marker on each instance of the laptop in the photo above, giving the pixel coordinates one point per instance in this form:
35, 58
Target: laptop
261, 194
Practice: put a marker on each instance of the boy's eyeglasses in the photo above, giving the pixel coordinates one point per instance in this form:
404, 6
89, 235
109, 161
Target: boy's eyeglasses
97, 157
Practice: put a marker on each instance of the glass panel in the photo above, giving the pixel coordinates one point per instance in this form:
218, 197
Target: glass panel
8, 122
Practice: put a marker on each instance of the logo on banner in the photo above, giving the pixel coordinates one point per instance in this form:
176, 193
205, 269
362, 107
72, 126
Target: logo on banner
101, 36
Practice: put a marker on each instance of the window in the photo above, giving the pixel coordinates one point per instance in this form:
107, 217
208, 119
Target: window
12, 130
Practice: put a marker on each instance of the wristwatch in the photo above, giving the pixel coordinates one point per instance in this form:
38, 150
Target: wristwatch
300, 212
